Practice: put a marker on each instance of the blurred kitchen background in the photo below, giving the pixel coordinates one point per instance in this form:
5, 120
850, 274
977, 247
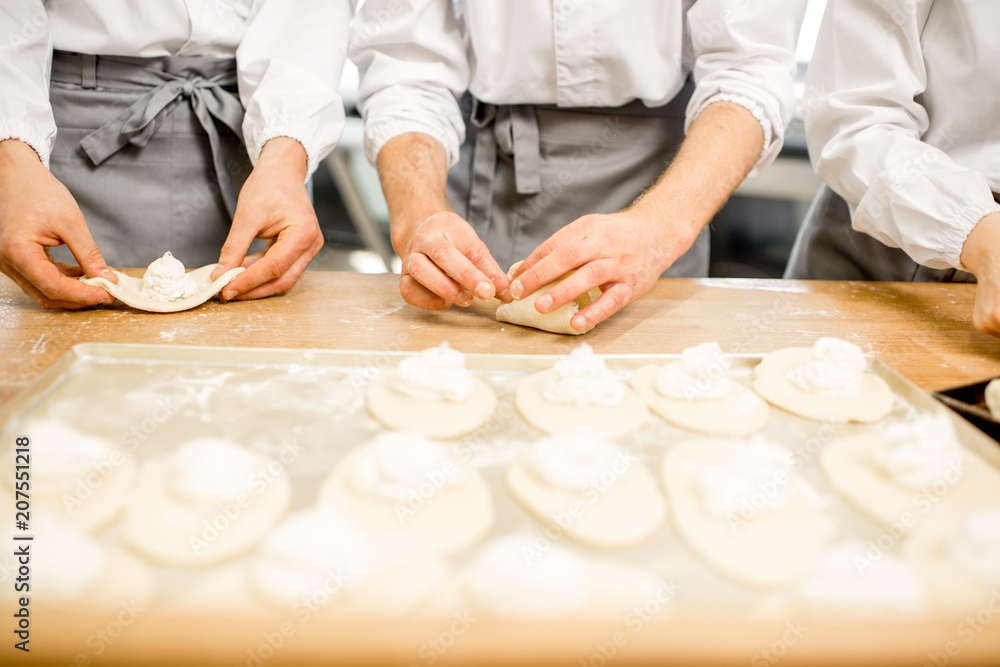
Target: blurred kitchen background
751, 236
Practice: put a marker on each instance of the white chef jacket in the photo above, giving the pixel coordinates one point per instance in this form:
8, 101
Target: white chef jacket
289, 56
903, 119
417, 56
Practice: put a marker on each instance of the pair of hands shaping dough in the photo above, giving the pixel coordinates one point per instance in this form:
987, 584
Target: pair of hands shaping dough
623, 253
37, 213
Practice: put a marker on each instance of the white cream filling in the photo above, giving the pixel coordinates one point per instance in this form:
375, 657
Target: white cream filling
754, 478
976, 545
165, 280
853, 577
316, 554
699, 374
208, 471
836, 368
922, 451
513, 577
436, 374
582, 379
66, 563
572, 461
63, 457
398, 465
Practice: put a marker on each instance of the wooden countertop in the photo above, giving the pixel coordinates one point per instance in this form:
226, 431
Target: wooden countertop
922, 330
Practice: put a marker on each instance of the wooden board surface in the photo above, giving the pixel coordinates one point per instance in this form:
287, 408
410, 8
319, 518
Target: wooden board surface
922, 330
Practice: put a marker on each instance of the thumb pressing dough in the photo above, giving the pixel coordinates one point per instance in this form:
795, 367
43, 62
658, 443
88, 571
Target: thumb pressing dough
197, 288
525, 314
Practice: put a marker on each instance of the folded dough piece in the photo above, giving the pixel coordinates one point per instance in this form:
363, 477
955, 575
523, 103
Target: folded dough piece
129, 290
523, 312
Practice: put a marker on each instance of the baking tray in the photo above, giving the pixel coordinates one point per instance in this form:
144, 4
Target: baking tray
970, 402
264, 397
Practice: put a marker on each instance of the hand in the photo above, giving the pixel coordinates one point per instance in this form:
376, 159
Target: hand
445, 262
981, 255
623, 253
37, 212
274, 205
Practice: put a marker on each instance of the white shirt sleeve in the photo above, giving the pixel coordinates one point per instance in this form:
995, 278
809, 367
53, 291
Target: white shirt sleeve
745, 54
413, 59
867, 130
289, 63
25, 63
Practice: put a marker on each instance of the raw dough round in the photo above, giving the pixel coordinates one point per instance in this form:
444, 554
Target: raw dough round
129, 290
319, 558
774, 548
524, 313
171, 530
771, 381
992, 397
617, 506
616, 421
83, 480
740, 413
442, 420
447, 519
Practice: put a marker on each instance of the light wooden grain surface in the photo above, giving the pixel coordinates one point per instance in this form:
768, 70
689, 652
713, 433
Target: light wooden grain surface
922, 330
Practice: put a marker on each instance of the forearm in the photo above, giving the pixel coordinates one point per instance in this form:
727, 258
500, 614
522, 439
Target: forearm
721, 148
413, 169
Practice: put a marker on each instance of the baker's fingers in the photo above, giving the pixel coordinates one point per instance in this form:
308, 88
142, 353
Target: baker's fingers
285, 282
551, 267
71, 270
294, 243
614, 298
430, 275
77, 238
450, 260
417, 295
591, 275
242, 233
30, 261
473, 248
37, 296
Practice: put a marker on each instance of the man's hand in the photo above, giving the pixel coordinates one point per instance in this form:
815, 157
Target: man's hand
273, 205
981, 255
37, 212
622, 253
444, 262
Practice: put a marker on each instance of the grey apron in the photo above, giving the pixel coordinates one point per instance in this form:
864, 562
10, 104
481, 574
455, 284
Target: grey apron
526, 171
829, 248
152, 150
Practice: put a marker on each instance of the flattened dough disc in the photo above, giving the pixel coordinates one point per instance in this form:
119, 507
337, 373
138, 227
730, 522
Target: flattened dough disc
771, 381
441, 420
615, 421
523, 312
741, 412
129, 290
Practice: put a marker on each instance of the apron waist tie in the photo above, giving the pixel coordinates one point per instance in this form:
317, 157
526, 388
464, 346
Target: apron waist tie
170, 80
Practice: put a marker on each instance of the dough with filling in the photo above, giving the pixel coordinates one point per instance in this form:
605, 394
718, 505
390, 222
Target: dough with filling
174, 531
447, 519
524, 313
740, 413
873, 402
613, 421
773, 548
129, 290
442, 420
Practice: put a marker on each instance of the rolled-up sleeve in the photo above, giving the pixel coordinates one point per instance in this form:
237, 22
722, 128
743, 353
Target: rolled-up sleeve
866, 133
414, 64
25, 64
290, 62
745, 54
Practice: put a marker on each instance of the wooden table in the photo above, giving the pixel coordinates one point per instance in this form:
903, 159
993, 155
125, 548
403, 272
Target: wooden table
922, 330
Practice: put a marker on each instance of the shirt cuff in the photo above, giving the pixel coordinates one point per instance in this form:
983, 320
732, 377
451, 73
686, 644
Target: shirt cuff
954, 236
298, 129
379, 133
772, 143
40, 143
